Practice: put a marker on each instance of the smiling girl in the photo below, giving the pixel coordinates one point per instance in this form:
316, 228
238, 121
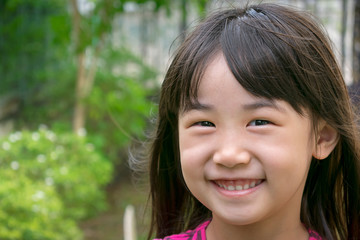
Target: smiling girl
256, 136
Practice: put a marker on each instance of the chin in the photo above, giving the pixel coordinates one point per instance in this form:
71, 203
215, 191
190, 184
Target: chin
240, 220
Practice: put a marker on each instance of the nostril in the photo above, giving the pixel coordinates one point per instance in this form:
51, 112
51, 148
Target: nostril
230, 158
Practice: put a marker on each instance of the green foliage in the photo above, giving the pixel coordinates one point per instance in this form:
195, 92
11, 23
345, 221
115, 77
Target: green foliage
25, 44
44, 77
35, 63
119, 104
49, 182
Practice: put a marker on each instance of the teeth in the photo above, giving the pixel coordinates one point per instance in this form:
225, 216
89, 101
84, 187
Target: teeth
231, 188
238, 185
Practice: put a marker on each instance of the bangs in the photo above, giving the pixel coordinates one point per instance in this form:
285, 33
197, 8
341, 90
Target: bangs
263, 59
190, 96
272, 54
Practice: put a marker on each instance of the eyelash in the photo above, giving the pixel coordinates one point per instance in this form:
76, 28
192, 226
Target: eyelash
259, 122
204, 124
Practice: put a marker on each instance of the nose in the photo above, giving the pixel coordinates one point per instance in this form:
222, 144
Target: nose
231, 152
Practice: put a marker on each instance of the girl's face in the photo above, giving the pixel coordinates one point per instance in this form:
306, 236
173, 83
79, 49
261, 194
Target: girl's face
245, 158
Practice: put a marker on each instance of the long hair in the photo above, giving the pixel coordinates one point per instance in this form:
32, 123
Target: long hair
278, 53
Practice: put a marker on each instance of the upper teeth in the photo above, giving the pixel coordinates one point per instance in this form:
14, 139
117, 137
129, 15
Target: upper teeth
234, 185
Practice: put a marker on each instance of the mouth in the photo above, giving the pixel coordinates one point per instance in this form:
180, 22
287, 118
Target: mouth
238, 185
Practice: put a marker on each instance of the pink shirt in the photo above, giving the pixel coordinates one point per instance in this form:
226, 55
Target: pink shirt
199, 234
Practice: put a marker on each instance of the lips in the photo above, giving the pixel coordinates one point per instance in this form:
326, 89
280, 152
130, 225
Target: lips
238, 185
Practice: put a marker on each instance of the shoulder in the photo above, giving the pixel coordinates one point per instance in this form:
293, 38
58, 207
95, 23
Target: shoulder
313, 235
198, 233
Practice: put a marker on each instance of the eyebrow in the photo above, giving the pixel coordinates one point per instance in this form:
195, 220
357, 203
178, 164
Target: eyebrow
196, 105
263, 103
257, 104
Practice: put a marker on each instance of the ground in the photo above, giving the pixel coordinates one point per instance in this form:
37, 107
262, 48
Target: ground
109, 225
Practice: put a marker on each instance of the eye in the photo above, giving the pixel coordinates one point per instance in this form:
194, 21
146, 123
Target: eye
204, 124
259, 122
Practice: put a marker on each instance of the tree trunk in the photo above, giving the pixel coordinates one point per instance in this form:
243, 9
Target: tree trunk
307, 5
144, 33
343, 32
316, 8
356, 43
79, 109
183, 22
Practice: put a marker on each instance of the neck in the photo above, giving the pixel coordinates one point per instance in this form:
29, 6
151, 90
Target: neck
261, 231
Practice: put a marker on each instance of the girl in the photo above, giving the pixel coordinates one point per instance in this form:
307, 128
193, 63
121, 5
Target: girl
256, 137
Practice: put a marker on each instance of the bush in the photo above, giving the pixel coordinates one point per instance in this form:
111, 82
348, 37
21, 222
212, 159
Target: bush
48, 183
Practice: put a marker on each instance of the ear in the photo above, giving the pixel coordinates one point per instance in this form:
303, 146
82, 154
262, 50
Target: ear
326, 141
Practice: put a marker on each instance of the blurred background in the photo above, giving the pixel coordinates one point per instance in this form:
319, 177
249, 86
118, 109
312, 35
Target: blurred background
79, 81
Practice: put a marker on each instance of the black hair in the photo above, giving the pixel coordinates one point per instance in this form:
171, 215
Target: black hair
274, 52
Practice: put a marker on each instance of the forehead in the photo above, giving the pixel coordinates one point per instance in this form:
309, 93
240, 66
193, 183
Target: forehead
216, 81
218, 84
214, 75
259, 60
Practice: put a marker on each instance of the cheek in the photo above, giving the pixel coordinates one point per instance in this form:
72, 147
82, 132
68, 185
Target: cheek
187, 155
193, 148
190, 167
194, 155
288, 159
